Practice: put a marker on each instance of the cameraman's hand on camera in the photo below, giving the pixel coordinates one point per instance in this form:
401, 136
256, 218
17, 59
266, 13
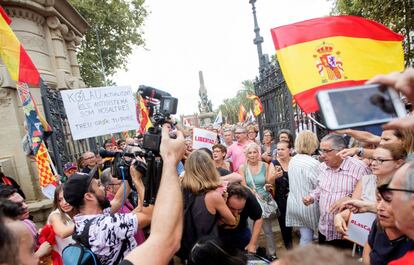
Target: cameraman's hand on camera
171, 150
137, 180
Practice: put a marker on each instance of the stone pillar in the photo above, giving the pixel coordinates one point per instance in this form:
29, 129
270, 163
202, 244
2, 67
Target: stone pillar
49, 30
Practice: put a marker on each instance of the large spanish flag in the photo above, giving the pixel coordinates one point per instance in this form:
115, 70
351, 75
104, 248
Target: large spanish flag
334, 52
13, 55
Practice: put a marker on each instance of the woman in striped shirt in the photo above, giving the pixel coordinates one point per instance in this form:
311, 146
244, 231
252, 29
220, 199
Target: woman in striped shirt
303, 178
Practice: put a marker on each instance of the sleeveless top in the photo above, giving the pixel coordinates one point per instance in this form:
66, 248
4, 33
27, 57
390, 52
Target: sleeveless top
259, 180
61, 243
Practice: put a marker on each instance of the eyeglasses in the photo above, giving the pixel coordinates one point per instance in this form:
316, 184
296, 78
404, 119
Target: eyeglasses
267, 135
240, 132
387, 193
89, 157
379, 161
325, 151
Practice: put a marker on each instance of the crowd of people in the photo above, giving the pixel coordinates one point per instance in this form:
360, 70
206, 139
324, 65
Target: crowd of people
212, 205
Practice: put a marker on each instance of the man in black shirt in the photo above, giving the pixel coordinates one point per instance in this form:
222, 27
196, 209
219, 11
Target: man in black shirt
243, 204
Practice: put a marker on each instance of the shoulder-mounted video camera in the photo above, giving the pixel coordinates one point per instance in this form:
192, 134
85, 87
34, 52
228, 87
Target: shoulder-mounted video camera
160, 105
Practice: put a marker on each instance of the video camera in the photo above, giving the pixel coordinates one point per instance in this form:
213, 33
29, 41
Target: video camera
160, 105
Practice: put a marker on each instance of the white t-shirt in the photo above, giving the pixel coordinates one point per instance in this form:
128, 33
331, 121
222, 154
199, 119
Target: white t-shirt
61, 243
107, 232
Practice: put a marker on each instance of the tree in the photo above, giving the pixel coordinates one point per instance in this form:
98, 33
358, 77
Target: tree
116, 27
230, 106
395, 14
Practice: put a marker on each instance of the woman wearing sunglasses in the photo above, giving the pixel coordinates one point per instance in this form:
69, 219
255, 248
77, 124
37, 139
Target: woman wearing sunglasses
385, 241
384, 163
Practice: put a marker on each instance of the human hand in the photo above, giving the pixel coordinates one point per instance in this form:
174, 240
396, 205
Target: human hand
340, 224
360, 206
171, 150
268, 187
250, 248
44, 249
401, 82
401, 123
308, 200
135, 174
347, 152
336, 206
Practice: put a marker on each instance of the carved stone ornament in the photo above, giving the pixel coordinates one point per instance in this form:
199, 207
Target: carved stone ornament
5, 98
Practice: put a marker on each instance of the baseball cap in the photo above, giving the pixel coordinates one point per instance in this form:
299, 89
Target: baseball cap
76, 187
69, 165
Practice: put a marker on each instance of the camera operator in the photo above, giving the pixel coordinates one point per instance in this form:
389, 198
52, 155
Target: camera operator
167, 224
110, 234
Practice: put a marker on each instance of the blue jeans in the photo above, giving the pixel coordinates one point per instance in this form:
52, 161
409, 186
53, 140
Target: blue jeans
306, 236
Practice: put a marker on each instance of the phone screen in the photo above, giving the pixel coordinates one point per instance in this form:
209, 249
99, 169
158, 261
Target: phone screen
361, 105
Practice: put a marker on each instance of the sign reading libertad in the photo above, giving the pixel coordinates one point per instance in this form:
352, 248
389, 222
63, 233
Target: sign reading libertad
98, 111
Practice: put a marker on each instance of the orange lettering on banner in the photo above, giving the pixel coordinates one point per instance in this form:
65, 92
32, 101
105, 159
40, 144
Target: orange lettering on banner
366, 227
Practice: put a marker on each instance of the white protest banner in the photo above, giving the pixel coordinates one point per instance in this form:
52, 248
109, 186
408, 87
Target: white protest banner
359, 226
203, 138
98, 111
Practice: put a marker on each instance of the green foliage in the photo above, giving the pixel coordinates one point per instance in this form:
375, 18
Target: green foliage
398, 15
118, 25
231, 106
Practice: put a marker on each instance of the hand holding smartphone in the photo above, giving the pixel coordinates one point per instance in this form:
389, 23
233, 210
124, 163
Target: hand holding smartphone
359, 106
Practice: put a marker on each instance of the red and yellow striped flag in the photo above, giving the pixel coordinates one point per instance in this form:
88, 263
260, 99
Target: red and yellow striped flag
46, 176
242, 113
143, 114
17, 61
334, 52
257, 105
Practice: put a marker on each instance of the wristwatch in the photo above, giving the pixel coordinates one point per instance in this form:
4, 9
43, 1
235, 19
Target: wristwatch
360, 151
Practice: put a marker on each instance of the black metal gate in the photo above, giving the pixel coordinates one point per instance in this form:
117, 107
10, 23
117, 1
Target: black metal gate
62, 147
279, 112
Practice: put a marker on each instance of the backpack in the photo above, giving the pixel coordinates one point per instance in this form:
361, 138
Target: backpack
79, 253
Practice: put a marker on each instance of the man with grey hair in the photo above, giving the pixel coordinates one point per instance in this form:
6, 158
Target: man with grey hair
400, 193
336, 184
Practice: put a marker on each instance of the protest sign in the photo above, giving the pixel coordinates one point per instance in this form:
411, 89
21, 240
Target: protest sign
203, 138
359, 226
98, 111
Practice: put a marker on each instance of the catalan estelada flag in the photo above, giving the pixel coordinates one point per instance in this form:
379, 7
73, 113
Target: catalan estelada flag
37, 126
14, 57
242, 113
257, 105
334, 52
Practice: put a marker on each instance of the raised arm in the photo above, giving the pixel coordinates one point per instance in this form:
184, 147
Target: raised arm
62, 230
167, 219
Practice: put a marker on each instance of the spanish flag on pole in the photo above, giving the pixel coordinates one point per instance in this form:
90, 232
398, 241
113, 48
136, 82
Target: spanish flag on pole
334, 52
257, 105
143, 115
13, 55
242, 113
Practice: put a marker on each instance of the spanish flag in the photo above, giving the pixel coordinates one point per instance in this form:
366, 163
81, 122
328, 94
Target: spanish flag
242, 113
143, 114
257, 105
334, 52
13, 55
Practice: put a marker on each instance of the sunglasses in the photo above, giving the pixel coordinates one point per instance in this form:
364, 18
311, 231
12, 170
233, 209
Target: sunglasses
387, 193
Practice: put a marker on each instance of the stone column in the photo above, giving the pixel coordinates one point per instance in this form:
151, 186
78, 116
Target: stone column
49, 30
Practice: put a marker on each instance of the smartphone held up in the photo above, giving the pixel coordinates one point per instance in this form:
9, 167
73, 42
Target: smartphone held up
357, 106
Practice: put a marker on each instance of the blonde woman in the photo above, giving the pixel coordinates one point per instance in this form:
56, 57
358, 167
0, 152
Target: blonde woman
204, 203
303, 178
256, 175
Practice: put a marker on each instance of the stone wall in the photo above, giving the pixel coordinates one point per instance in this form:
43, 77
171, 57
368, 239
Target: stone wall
50, 31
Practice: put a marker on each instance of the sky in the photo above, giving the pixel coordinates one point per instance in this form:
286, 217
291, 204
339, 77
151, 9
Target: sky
184, 37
